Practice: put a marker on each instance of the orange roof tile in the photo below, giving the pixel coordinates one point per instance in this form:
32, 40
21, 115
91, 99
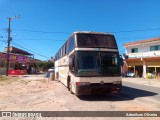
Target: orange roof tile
141, 41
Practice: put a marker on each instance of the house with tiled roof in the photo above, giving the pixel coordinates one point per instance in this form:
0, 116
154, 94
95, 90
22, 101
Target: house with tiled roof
142, 57
20, 62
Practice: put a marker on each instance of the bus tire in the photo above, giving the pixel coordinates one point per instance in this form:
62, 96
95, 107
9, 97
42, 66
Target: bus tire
57, 75
69, 85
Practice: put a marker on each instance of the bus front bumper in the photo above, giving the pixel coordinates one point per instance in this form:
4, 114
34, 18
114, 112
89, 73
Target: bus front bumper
97, 88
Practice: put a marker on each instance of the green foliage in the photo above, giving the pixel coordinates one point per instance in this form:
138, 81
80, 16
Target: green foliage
44, 65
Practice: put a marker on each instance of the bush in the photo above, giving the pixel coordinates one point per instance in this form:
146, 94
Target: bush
44, 65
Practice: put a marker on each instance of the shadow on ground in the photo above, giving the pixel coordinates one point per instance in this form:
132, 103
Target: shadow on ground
127, 93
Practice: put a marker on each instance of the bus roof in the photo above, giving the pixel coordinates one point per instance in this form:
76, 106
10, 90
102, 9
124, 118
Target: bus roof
92, 32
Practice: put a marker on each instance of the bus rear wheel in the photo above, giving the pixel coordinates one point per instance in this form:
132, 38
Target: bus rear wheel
70, 87
57, 76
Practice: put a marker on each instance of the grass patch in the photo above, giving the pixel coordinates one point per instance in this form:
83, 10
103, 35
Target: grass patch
2, 78
7, 80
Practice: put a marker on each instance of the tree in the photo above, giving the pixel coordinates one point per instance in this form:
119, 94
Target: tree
44, 65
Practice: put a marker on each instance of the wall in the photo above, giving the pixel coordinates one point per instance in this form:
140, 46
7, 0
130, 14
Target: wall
142, 47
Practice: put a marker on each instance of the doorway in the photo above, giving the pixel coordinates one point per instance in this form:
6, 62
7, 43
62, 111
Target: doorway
138, 71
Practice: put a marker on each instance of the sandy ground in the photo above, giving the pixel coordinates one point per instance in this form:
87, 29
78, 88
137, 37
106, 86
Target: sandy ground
36, 94
27, 93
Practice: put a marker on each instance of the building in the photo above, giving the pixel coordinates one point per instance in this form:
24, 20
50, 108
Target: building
19, 60
142, 57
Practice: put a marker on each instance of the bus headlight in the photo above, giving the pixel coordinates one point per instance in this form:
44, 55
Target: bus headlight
82, 83
117, 82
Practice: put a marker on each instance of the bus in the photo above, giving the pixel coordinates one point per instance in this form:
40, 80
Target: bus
89, 63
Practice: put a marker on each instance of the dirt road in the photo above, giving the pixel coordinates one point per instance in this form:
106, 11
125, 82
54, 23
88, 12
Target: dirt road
33, 93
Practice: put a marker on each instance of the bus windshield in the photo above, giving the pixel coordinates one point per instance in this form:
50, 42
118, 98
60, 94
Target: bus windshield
94, 63
96, 40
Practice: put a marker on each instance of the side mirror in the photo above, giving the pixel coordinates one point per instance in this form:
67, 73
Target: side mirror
125, 56
121, 60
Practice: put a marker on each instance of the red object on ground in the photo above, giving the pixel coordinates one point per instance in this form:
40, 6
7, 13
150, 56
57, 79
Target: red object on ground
17, 72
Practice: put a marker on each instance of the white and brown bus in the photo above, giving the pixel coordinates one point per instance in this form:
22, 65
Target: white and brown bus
89, 63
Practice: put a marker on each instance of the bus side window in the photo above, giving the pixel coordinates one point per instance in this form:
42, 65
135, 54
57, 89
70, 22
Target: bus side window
67, 46
72, 63
71, 44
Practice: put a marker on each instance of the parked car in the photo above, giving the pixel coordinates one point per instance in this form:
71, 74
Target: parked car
51, 69
130, 74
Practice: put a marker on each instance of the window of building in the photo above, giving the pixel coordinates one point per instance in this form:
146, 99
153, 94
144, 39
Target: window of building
158, 70
150, 69
2, 64
12, 65
154, 48
134, 50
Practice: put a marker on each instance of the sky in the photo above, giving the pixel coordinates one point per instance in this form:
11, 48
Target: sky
44, 25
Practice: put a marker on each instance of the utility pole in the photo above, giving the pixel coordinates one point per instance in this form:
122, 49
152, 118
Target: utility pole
8, 45
8, 42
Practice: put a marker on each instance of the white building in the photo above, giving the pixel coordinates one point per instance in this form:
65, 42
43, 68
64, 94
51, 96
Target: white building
143, 57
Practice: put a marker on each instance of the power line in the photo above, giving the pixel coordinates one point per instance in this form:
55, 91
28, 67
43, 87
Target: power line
133, 37
56, 40
29, 46
138, 30
30, 50
38, 31
39, 39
